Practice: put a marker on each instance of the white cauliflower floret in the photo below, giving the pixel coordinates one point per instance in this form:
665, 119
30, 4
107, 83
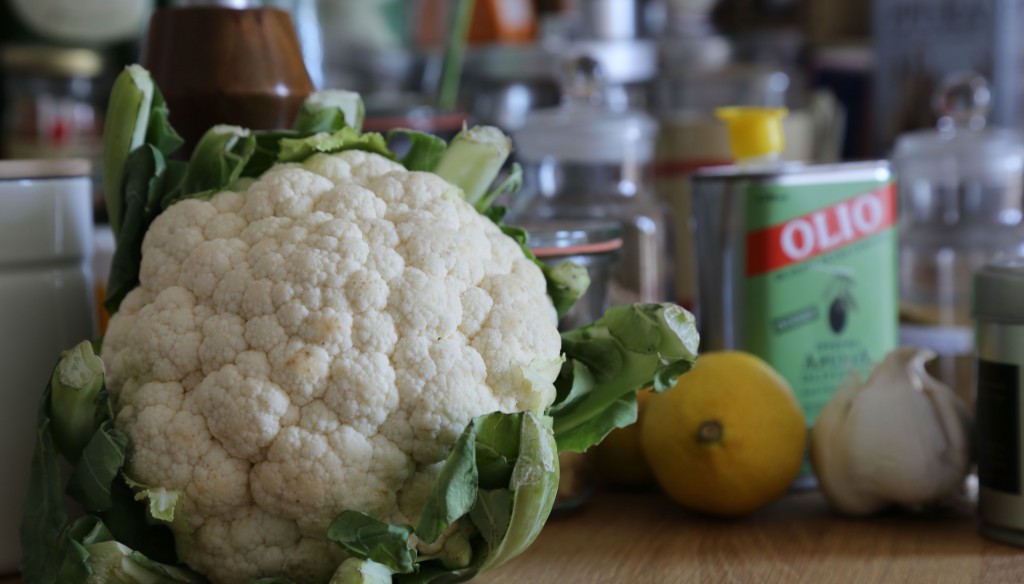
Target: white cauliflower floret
316, 344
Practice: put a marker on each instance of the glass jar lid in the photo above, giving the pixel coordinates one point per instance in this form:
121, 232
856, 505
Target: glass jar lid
584, 129
961, 147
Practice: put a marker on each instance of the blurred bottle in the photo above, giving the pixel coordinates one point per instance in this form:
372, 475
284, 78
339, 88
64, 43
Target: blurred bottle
494, 21
503, 21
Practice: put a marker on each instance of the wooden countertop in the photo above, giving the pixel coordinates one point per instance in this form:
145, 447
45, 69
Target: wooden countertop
632, 538
643, 538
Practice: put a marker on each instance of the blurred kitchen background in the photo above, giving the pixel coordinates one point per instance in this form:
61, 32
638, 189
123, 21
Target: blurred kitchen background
854, 74
611, 106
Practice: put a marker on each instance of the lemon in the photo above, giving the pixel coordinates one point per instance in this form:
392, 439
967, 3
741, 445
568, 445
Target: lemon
619, 459
728, 439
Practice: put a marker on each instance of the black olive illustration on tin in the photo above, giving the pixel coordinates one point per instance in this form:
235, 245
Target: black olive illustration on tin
840, 298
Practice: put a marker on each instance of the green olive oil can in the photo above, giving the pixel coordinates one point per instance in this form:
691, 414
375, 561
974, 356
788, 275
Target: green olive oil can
797, 264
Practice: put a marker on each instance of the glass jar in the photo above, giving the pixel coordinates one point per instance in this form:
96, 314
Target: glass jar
960, 191
594, 245
52, 103
52, 106
587, 161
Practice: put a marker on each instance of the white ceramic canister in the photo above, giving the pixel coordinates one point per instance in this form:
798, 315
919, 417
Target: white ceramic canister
46, 306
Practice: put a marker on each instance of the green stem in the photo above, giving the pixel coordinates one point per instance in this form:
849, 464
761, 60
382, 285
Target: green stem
455, 51
473, 160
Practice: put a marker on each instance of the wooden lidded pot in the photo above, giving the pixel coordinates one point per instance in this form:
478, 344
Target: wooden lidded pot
226, 62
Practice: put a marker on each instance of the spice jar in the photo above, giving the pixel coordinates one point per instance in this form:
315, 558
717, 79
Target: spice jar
998, 310
960, 196
585, 160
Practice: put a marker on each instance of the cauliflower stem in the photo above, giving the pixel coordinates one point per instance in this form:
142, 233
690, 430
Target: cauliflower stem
328, 362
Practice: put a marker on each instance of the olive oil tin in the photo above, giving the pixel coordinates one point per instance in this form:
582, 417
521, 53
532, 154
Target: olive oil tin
998, 310
797, 264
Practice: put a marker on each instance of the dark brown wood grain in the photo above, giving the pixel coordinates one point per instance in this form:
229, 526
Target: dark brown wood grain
226, 66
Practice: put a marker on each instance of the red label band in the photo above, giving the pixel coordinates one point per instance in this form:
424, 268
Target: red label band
820, 232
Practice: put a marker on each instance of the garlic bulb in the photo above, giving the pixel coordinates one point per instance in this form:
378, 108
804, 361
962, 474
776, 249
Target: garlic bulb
900, 438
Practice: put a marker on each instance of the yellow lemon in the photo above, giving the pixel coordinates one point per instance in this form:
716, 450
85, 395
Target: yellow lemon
618, 459
729, 438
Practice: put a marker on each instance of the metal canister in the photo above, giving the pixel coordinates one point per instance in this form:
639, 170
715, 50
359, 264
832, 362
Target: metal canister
998, 311
797, 264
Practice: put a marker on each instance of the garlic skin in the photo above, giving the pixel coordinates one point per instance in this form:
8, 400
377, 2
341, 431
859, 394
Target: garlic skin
900, 438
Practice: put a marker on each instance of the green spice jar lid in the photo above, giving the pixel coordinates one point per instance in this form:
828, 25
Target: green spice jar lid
998, 293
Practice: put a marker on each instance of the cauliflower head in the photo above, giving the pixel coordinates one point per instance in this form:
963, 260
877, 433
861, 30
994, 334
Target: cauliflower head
315, 344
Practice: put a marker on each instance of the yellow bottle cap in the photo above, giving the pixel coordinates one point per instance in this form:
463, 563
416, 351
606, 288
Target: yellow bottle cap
754, 131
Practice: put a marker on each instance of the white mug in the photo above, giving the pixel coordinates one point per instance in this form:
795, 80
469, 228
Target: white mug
46, 306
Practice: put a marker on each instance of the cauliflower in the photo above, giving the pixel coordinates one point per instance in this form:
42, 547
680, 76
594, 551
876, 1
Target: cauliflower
326, 363
316, 344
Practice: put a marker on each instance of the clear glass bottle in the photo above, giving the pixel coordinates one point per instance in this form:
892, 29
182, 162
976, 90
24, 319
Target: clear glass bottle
960, 189
586, 160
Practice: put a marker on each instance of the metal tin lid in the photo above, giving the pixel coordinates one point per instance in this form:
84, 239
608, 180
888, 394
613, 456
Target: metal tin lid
39, 169
998, 293
565, 238
797, 173
39, 59
584, 129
